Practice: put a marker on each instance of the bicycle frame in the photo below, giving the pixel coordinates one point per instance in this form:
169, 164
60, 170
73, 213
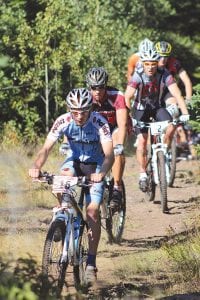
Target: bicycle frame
157, 132
64, 184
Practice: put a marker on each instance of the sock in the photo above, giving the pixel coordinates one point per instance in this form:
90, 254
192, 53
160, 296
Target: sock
117, 187
91, 260
143, 175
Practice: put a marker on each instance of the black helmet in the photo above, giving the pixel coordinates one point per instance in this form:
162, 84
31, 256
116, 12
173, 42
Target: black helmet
97, 76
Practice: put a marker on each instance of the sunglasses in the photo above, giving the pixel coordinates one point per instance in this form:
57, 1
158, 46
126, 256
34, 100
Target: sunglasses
150, 64
98, 87
80, 112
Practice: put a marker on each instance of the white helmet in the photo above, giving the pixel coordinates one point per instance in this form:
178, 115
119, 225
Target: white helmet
80, 99
149, 55
145, 45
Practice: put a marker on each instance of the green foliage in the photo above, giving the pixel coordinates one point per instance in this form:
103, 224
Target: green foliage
67, 38
185, 258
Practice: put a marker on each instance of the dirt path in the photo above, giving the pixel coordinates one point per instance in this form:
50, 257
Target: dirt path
146, 226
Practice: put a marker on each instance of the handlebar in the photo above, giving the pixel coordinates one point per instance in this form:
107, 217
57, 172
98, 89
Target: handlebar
62, 180
141, 124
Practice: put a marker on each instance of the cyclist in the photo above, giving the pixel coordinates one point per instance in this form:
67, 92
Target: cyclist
134, 59
110, 102
89, 137
150, 84
174, 66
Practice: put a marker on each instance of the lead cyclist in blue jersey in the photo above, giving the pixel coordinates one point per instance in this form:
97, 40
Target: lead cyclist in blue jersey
91, 147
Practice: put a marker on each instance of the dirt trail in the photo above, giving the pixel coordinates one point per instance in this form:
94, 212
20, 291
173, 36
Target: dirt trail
146, 226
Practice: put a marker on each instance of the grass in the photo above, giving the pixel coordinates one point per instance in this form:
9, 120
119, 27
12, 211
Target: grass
25, 211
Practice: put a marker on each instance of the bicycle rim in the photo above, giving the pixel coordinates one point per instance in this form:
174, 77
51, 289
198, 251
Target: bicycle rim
82, 252
162, 181
116, 220
52, 268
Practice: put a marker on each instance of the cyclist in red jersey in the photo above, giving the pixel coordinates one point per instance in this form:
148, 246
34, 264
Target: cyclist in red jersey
110, 102
147, 88
174, 66
134, 59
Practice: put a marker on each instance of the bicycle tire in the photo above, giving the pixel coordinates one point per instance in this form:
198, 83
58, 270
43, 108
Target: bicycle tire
52, 268
82, 253
151, 186
172, 162
115, 220
162, 181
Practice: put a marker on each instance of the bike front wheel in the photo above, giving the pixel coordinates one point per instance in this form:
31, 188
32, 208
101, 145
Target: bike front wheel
151, 186
53, 268
172, 162
115, 220
162, 180
81, 254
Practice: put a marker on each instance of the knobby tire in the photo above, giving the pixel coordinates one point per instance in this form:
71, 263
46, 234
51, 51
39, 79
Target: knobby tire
52, 268
162, 181
172, 163
82, 252
116, 219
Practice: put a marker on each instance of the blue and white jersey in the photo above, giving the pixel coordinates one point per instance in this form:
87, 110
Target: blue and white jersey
85, 141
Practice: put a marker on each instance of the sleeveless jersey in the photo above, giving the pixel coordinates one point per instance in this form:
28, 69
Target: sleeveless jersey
85, 141
150, 89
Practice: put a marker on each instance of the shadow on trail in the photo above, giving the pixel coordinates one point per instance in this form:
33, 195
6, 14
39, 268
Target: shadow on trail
154, 242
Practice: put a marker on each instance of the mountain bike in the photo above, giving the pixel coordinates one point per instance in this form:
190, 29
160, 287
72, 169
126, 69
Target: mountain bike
113, 221
161, 162
66, 242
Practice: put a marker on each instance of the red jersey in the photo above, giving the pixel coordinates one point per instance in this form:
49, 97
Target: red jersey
173, 65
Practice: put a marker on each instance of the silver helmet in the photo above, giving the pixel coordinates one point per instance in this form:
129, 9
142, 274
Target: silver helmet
145, 45
96, 77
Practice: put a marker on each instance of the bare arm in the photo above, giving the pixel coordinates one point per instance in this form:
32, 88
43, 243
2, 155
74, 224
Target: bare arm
41, 158
109, 157
187, 83
129, 94
107, 163
122, 117
175, 91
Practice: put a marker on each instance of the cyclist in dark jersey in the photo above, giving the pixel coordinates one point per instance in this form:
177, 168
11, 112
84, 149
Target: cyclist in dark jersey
110, 103
148, 103
90, 141
173, 65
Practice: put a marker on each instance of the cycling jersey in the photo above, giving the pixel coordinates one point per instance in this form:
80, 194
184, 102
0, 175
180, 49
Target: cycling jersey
114, 100
150, 89
134, 63
173, 65
85, 141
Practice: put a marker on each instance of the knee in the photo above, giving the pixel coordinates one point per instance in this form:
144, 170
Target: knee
92, 213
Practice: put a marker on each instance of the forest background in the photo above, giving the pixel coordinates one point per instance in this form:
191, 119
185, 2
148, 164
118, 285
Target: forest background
46, 48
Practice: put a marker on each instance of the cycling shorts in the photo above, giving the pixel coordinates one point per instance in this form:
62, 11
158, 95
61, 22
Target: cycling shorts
93, 193
160, 114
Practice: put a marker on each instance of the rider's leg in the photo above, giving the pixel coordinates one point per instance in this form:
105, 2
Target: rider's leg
141, 152
117, 172
93, 219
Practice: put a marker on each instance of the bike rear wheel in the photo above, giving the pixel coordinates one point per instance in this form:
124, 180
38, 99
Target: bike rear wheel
172, 162
52, 268
115, 220
82, 253
162, 180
